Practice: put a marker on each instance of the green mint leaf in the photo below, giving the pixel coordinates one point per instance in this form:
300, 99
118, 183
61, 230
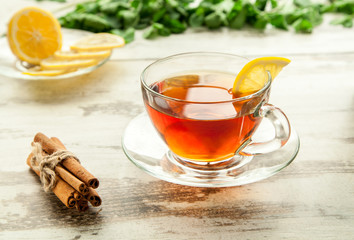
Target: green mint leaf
261, 22
261, 4
315, 16
327, 8
239, 20
291, 17
344, 6
90, 7
196, 20
128, 34
182, 11
137, 4
303, 26
213, 20
311, 14
95, 23
113, 21
345, 21
156, 29
175, 25
112, 8
252, 13
150, 33
159, 15
161, 29
154, 6
274, 3
278, 21
143, 23
128, 17
85, 21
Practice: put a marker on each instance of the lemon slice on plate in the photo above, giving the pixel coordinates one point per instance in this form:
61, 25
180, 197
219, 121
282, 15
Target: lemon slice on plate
71, 55
38, 71
57, 64
98, 42
253, 76
34, 34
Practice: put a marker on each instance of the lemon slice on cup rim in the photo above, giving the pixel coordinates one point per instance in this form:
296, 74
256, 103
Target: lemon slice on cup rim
254, 75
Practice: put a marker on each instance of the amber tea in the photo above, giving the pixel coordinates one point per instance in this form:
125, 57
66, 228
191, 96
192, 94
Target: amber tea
197, 117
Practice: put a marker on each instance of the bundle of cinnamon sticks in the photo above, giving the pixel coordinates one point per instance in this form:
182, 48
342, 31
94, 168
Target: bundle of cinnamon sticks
74, 186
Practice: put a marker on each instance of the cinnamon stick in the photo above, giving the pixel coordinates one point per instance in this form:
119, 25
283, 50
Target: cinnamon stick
71, 180
77, 196
82, 205
71, 202
52, 145
62, 190
94, 198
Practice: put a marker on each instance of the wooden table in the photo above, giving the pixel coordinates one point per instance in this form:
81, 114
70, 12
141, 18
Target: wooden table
313, 198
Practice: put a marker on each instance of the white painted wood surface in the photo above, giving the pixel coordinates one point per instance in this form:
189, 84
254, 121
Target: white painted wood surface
310, 199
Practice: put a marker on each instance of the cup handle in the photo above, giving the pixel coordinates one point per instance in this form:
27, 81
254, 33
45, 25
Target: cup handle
282, 132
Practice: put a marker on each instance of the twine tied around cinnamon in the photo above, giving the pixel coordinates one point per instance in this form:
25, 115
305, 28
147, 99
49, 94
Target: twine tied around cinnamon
46, 164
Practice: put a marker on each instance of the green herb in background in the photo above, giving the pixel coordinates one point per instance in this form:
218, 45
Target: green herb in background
166, 17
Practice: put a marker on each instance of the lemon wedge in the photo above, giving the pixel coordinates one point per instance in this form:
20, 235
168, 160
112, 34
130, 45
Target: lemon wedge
72, 55
253, 76
57, 64
98, 42
34, 34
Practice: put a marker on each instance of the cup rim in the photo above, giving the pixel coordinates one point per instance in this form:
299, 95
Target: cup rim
161, 60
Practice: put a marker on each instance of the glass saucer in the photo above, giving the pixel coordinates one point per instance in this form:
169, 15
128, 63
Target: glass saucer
11, 67
144, 147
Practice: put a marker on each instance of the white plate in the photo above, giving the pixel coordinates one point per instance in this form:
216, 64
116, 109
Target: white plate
11, 67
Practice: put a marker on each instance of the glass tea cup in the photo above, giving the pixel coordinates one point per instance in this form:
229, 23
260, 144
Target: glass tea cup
189, 101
